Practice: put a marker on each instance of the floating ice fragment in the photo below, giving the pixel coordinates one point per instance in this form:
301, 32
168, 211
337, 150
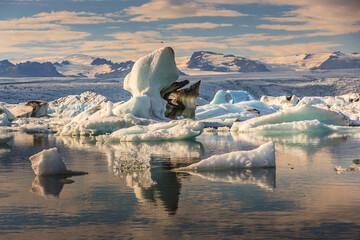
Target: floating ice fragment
49, 162
263, 156
353, 169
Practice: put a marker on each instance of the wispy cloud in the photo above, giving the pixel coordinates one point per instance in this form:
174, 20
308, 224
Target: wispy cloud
292, 49
327, 17
204, 25
173, 9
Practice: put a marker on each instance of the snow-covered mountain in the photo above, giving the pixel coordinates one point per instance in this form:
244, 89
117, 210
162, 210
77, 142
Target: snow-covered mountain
313, 61
218, 62
86, 66
201, 62
28, 69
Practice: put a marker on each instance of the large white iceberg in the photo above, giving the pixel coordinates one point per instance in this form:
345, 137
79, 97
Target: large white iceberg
167, 131
300, 118
263, 156
149, 75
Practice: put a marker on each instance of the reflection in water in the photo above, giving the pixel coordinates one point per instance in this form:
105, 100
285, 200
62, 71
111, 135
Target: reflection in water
146, 167
49, 185
306, 142
262, 177
161, 189
310, 200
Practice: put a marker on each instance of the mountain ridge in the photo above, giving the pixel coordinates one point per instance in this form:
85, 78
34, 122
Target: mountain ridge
205, 62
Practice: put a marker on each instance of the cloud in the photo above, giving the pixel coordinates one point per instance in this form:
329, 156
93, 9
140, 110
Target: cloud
46, 20
156, 10
328, 17
205, 25
293, 49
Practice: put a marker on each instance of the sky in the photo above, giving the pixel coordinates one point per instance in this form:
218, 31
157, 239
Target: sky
128, 29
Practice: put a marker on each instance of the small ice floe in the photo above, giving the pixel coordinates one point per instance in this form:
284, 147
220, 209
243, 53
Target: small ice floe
263, 156
4, 138
353, 169
169, 131
49, 162
302, 118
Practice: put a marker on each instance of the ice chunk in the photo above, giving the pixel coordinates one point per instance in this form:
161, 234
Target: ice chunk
222, 112
281, 101
239, 96
49, 162
86, 98
263, 156
149, 75
72, 105
353, 169
4, 121
287, 117
174, 130
235, 96
95, 121
4, 110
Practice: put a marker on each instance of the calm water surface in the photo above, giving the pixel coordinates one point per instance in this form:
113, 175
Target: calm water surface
302, 198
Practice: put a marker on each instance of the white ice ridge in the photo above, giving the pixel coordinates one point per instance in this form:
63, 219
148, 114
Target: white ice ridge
263, 156
149, 75
302, 118
166, 131
49, 162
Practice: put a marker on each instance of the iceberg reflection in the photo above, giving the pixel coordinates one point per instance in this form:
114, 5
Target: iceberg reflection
264, 178
146, 167
46, 186
307, 142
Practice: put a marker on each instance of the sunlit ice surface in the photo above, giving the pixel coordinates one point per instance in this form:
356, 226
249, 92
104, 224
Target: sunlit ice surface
131, 190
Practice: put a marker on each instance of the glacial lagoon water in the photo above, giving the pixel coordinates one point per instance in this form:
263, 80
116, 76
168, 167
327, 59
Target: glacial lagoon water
302, 198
